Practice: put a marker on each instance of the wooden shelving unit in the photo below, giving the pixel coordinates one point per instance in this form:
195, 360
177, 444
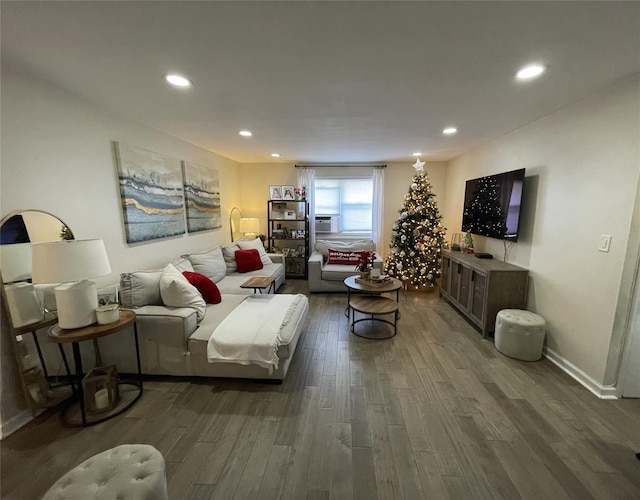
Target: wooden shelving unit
288, 233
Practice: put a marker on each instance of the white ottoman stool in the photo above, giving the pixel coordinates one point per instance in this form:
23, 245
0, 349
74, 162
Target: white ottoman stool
130, 471
519, 334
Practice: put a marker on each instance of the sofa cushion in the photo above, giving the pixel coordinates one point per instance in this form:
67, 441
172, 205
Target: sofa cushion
176, 291
140, 288
210, 263
229, 254
205, 286
256, 244
248, 260
337, 272
345, 257
323, 246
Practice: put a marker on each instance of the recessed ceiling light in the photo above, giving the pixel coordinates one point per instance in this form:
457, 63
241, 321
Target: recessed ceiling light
530, 71
275, 155
178, 80
245, 133
417, 154
450, 131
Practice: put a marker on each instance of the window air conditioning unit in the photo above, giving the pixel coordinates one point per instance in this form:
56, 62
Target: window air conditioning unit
326, 224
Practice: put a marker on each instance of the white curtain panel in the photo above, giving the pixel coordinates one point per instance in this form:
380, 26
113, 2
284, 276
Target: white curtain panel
378, 206
307, 178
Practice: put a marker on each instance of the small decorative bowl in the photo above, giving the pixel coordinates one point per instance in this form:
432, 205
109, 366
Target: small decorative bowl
108, 313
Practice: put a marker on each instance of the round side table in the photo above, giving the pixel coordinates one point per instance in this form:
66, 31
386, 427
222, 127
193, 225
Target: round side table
132, 388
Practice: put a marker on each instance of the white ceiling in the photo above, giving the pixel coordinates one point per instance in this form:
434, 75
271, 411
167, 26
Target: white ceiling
326, 81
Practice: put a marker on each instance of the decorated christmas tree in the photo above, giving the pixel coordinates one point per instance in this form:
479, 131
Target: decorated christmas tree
484, 215
417, 236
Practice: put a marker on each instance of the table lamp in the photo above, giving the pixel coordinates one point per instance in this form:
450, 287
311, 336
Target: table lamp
249, 226
71, 263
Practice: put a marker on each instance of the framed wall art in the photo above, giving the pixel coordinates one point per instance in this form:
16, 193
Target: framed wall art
151, 192
202, 197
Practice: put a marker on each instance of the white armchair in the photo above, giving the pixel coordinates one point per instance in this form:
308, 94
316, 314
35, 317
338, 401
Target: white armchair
325, 277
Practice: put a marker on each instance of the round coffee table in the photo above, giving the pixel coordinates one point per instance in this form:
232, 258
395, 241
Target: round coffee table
393, 285
374, 306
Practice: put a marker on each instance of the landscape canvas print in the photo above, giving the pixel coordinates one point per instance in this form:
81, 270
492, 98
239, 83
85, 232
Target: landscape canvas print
152, 193
202, 195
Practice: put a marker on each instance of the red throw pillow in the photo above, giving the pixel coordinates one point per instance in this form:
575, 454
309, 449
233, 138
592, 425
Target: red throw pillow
207, 288
344, 257
248, 260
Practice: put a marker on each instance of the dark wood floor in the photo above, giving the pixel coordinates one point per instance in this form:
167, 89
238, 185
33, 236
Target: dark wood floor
436, 412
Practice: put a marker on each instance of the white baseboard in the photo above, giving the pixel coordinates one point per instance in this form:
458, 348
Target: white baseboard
603, 392
14, 423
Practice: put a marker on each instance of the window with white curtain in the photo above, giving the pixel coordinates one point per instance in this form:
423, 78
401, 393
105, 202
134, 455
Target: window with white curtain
350, 200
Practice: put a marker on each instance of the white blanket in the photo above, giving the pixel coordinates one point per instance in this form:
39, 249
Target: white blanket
251, 333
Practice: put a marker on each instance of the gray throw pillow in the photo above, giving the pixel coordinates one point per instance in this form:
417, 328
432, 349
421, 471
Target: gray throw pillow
140, 288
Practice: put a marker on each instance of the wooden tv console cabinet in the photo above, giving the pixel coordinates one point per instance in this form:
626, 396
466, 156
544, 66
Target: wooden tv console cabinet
479, 288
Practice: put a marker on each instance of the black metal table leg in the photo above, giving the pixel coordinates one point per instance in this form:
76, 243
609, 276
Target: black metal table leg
77, 360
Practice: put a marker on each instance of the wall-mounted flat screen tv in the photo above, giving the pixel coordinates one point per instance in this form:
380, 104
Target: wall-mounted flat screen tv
492, 205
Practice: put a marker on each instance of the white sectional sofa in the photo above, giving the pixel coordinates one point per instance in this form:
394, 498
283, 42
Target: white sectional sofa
173, 340
324, 277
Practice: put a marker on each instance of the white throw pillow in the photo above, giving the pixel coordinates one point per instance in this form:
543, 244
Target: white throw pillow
182, 264
176, 291
257, 245
211, 264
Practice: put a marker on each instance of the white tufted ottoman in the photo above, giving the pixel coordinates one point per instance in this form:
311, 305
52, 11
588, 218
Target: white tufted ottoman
519, 334
127, 472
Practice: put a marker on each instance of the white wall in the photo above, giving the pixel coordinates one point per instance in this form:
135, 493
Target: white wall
57, 155
582, 168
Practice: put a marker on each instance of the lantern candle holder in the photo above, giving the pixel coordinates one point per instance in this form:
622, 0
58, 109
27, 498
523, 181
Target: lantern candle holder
100, 389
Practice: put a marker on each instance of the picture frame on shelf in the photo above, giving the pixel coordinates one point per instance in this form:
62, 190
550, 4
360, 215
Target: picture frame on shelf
108, 295
275, 192
279, 206
287, 193
290, 215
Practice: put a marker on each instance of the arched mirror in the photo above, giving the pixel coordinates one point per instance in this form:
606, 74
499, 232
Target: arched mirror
26, 309
18, 231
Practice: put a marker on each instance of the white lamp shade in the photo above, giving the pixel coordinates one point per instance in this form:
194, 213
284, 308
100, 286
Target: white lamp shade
73, 260
249, 225
15, 262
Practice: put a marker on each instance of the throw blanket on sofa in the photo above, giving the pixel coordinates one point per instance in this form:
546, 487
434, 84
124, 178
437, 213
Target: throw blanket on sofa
251, 333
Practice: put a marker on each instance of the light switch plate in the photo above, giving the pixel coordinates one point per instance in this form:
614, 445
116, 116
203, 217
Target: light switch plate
605, 242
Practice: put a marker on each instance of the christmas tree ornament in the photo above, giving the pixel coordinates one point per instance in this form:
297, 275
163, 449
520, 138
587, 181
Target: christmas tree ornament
419, 166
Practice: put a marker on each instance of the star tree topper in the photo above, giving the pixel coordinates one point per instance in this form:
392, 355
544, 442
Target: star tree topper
419, 166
